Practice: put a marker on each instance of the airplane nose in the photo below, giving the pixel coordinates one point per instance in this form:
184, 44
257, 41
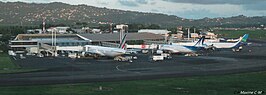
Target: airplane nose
123, 51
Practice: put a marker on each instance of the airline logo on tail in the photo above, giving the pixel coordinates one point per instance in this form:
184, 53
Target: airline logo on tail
244, 38
123, 43
241, 41
201, 41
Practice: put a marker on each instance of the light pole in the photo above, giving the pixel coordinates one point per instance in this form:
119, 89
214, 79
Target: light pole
54, 50
123, 28
188, 33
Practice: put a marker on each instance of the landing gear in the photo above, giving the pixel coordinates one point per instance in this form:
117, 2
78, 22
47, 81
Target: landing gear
126, 58
237, 49
95, 56
211, 48
191, 54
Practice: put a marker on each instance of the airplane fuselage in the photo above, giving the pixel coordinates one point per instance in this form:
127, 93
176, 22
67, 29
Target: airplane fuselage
220, 45
180, 48
104, 51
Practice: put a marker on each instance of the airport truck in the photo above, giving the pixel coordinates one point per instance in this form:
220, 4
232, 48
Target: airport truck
157, 58
125, 58
166, 56
72, 55
160, 56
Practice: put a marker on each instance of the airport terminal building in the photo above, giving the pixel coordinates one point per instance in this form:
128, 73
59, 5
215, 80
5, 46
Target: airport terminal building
35, 43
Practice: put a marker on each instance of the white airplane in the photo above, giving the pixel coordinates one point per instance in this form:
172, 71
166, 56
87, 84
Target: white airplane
236, 46
229, 45
97, 51
173, 48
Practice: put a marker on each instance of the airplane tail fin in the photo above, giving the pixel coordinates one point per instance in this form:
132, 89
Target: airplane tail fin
244, 38
241, 40
123, 43
201, 41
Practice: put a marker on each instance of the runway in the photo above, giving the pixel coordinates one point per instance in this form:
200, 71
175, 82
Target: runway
65, 70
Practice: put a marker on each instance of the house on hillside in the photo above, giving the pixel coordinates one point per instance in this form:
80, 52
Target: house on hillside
155, 31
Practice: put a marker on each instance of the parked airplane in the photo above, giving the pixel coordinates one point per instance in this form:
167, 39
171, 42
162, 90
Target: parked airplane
237, 46
97, 51
173, 48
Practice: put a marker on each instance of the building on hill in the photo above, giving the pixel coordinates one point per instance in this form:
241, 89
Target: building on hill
59, 30
155, 31
34, 31
63, 30
208, 35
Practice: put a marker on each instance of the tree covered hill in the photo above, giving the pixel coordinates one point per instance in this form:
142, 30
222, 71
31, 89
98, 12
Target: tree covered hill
19, 13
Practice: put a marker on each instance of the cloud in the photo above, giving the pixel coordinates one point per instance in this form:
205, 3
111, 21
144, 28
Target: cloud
28, 1
197, 14
128, 3
133, 3
155, 10
38, 1
233, 2
153, 3
142, 1
256, 6
102, 2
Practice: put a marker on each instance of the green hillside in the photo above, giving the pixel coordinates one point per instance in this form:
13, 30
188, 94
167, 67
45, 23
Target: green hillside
19, 13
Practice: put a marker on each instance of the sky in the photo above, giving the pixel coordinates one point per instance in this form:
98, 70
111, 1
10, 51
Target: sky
191, 9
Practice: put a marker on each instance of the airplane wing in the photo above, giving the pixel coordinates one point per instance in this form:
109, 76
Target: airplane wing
95, 51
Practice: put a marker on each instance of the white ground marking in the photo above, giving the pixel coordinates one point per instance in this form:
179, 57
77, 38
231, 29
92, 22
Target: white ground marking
117, 67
